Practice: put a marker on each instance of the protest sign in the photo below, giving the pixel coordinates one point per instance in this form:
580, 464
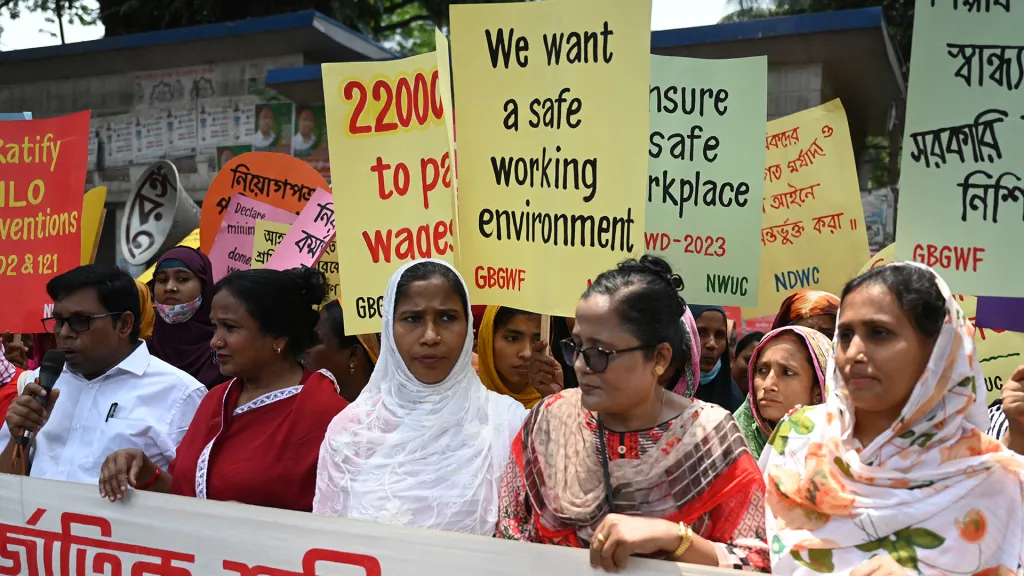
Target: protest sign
703, 191
64, 528
1005, 313
387, 135
273, 125
42, 176
269, 236
310, 139
553, 125
192, 241
279, 180
328, 264
962, 146
309, 235
812, 231
999, 351
93, 215
233, 248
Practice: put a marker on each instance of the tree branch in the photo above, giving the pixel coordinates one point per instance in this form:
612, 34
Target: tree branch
398, 5
6, 3
403, 23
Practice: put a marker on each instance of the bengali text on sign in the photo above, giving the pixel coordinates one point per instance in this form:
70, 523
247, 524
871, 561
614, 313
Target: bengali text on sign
812, 230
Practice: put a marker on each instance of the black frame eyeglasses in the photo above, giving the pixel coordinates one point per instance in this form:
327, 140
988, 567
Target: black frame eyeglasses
78, 323
596, 359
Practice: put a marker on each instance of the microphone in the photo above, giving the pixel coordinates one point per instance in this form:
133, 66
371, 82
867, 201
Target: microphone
49, 371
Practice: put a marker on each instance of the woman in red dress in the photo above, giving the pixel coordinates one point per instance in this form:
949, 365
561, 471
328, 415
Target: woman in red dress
256, 438
623, 466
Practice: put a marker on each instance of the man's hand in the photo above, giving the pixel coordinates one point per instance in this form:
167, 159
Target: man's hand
15, 352
27, 414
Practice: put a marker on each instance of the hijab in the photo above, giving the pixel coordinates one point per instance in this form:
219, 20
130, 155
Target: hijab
187, 345
409, 453
690, 375
147, 316
804, 304
755, 428
488, 372
716, 386
932, 491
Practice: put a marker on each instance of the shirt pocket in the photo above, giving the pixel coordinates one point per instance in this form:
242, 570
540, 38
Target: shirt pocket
120, 434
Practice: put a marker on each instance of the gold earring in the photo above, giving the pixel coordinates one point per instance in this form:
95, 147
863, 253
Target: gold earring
276, 349
352, 368
659, 370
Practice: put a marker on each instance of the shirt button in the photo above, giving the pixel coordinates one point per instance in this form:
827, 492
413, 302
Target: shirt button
622, 449
78, 426
63, 470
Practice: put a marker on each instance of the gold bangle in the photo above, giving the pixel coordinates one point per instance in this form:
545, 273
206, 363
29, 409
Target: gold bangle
686, 533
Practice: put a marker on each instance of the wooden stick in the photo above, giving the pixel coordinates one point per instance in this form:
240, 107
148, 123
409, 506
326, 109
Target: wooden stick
545, 330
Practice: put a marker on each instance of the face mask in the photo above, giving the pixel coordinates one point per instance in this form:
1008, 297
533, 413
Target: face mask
178, 313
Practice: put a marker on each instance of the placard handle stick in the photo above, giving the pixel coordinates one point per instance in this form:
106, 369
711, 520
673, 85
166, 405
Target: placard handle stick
545, 330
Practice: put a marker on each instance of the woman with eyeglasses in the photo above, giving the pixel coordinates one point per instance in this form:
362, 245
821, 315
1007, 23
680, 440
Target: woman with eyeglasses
623, 466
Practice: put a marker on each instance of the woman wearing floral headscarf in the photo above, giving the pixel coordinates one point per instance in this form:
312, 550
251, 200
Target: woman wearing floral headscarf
787, 370
893, 474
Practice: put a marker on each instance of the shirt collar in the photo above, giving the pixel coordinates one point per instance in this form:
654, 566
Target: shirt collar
135, 363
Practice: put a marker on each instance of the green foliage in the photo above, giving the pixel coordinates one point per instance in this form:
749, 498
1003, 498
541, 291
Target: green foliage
77, 11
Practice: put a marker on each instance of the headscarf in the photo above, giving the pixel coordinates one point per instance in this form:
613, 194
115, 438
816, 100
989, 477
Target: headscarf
187, 345
933, 491
755, 428
488, 372
716, 386
687, 384
804, 304
370, 342
146, 315
429, 456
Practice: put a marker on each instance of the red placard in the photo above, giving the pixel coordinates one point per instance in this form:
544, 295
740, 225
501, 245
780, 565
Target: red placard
42, 183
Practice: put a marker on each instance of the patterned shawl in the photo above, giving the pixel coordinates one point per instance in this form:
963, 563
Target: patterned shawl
933, 491
805, 304
564, 480
755, 428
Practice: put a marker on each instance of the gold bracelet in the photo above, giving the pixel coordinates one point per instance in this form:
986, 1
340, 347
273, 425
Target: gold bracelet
686, 533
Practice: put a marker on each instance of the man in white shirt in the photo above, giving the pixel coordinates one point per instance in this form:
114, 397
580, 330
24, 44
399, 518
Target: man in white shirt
111, 395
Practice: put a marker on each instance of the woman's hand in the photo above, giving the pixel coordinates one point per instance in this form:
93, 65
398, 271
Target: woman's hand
15, 352
544, 372
619, 537
881, 565
122, 469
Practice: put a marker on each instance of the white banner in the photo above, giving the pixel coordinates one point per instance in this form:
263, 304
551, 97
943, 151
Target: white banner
60, 529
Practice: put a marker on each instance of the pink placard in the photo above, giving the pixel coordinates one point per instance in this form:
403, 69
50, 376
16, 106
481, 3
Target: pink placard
232, 250
309, 236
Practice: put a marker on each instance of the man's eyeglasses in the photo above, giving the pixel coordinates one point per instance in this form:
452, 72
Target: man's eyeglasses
78, 323
596, 359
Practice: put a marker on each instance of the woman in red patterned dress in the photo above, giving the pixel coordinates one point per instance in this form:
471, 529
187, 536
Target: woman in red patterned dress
622, 466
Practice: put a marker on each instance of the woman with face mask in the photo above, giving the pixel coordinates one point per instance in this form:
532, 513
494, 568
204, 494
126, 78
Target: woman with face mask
425, 442
183, 285
716, 384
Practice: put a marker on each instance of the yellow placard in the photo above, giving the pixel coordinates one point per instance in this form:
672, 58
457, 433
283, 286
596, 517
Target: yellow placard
268, 236
962, 182
999, 351
92, 222
704, 188
192, 241
387, 135
552, 127
328, 264
812, 231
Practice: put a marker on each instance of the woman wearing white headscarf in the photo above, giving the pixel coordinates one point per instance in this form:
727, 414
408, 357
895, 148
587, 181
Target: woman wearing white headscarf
425, 444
